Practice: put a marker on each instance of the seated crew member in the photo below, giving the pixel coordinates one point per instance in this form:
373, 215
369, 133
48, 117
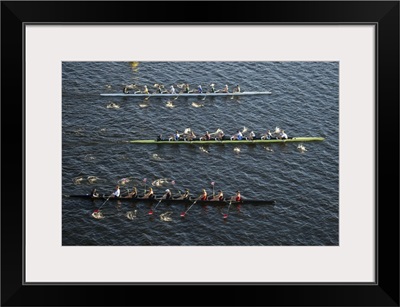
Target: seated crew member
206, 137
176, 136
167, 194
203, 195
200, 89
236, 89
237, 136
116, 193
267, 136
149, 194
125, 90
219, 196
94, 193
220, 136
225, 89
251, 136
237, 197
283, 135
133, 193
172, 91
186, 89
190, 136
184, 195
212, 88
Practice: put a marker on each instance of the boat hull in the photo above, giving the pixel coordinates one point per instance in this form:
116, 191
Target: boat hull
175, 201
185, 94
257, 141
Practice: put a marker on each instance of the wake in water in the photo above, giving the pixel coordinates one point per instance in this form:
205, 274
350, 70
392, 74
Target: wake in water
98, 215
301, 148
113, 105
202, 149
169, 104
90, 179
267, 148
131, 215
166, 217
197, 105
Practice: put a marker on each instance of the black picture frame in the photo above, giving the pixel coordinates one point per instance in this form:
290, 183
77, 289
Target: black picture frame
383, 14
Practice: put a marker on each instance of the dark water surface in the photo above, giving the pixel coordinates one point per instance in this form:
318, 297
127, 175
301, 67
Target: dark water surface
305, 184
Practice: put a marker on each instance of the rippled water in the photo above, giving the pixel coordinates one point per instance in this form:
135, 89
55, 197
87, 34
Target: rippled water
304, 102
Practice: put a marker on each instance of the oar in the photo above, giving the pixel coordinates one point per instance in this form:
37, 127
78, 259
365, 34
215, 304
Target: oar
151, 210
97, 210
184, 213
226, 215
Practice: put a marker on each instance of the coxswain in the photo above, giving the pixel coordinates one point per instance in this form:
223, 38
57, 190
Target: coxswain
219, 196
116, 193
203, 195
94, 193
200, 89
167, 194
149, 194
172, 91
236, 89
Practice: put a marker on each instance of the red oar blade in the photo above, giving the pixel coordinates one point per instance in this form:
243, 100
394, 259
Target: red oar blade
151, 212
225, 216
183, 214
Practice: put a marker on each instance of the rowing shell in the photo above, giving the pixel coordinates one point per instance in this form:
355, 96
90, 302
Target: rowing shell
177, 201
185, 94
244, 141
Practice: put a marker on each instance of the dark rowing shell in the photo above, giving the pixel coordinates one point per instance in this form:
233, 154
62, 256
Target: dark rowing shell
177, 201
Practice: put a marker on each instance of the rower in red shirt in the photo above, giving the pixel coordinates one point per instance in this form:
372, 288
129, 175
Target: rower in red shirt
237, 197
203, 195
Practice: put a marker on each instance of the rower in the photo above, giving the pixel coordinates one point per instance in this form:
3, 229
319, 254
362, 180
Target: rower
237, 197
219, 196
237, 136
251, 136
267, 136
167, 194
176, 136
149, 194
225, 90
220, 135
187, 89
283, 135
184, 195
116, 193
203, 195
212, 88
133, 194
200, 89
94, 193
172, 90
236, 89
125, 90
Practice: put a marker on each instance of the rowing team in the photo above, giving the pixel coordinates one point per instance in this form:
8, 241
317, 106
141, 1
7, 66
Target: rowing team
219, 136
168, 195
184, 88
